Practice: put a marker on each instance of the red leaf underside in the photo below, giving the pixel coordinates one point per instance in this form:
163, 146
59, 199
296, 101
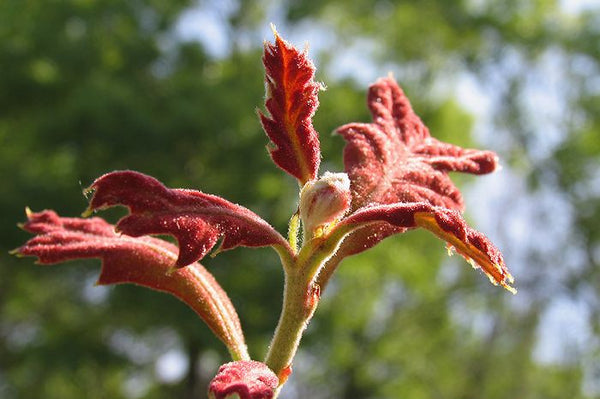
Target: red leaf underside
197, 220
144, 261
447, 224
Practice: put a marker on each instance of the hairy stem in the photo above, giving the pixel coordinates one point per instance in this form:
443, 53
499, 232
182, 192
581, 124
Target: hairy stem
300, 299
294, 318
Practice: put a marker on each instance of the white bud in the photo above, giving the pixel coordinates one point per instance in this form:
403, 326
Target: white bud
324, 201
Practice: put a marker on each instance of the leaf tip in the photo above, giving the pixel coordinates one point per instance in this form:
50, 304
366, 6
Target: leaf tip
89, 211
509, 288
498, 165
16, 252
508, 280
274, 29
472, 245
217, 251
29, 214
88, 191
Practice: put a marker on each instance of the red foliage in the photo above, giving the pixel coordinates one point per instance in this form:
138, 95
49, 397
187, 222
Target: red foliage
395, 160
399, 180
144, 261
196, 219
448, 225
291, 102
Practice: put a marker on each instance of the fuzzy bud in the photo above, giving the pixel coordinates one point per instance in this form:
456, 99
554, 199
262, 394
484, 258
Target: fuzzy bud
244, 379
324, 201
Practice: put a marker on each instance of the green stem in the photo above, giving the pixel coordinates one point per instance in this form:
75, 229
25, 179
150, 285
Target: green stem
300, 299
292, 323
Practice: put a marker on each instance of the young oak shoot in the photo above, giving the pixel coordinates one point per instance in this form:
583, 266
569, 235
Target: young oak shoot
395, 179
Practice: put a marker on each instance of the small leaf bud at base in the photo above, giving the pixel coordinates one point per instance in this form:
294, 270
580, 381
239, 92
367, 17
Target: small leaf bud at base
324, 201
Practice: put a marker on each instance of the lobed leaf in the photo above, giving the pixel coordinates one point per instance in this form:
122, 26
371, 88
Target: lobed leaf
197, 220
144, 261
291, 102
447, 224
395, 160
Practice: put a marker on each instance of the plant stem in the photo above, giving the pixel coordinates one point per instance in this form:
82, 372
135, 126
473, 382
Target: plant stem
292, 323
300, 299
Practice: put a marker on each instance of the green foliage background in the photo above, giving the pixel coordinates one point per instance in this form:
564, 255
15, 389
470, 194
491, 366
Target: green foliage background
87, 87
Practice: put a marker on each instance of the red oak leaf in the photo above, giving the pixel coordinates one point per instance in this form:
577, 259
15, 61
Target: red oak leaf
399, 180
195, 219
448, 225
144, 261
291, 102
244, 380
394, 159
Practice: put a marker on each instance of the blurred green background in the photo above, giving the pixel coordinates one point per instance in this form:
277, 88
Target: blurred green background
170, 88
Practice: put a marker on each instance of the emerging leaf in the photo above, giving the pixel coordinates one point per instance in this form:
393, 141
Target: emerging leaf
195, 219
448, 225
399, 180
395, 160
243, 380
144, 261
291, 102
